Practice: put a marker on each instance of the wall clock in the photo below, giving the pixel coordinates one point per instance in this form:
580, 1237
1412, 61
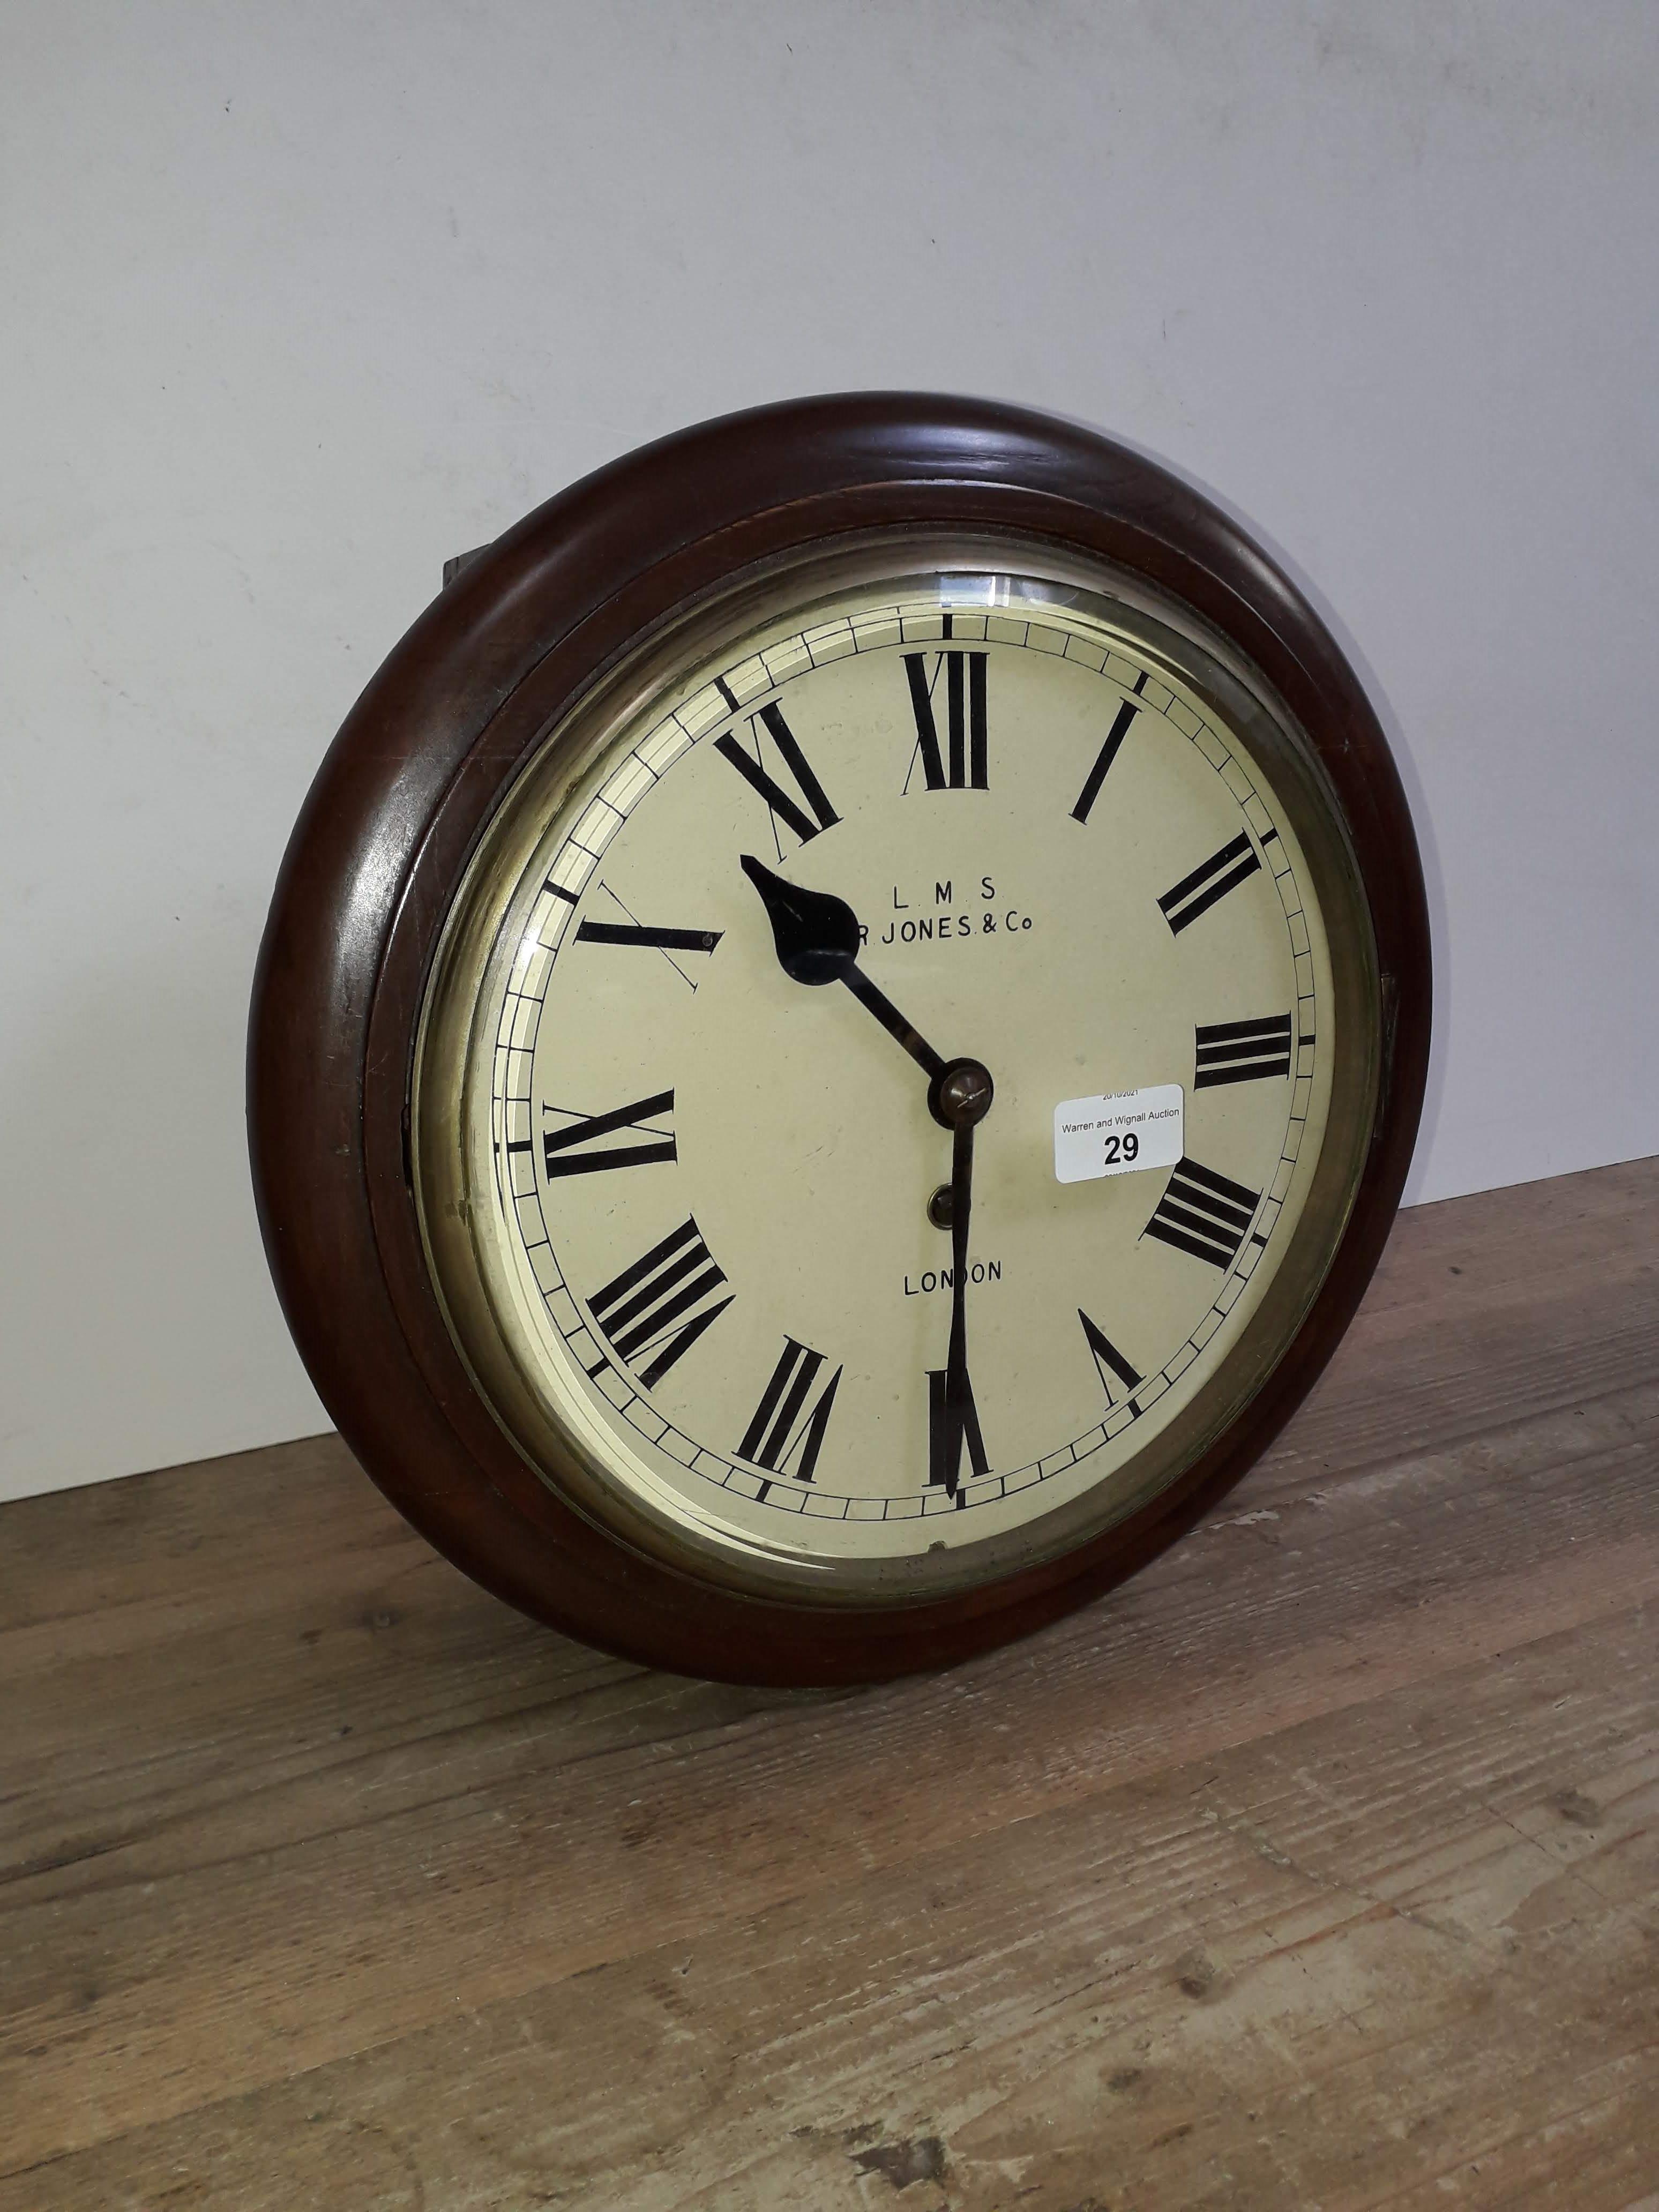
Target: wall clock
839, 1037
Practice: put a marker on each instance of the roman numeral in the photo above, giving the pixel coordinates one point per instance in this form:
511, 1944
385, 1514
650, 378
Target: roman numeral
1242, 1052
1109, 1362
1223, 872
1204, 1213
640, 1309
963, 766
1108, 753
561, 1158
947, 1432
784, 808
783, 1424
633, 933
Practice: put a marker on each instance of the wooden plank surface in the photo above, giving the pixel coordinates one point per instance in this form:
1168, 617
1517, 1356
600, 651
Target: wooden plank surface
1320, 1866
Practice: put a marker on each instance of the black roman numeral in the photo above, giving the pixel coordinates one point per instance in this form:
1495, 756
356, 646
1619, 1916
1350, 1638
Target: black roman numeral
1109, 752
558, 1146
1223, 872
1242, 1052
963, 766
643, 935
642, 1310
947, 1432
634, 933
1109, 1362
784, 808
1204, 1213
783, 1424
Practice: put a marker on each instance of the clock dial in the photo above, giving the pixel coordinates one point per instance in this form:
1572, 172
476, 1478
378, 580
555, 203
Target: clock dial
887, 1094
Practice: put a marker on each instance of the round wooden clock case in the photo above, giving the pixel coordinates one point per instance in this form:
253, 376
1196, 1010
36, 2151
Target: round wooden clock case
839, 1037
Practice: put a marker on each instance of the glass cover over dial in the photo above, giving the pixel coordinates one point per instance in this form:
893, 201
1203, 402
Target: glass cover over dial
895, 1073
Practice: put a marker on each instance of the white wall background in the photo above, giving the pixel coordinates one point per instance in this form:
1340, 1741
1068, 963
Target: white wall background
300, 298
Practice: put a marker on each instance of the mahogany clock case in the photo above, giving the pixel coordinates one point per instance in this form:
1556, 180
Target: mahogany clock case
523, 634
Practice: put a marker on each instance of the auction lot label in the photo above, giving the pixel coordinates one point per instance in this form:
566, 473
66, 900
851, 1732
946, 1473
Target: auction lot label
1118, 1134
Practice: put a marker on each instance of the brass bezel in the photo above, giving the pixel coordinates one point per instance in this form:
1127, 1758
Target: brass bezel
482, 919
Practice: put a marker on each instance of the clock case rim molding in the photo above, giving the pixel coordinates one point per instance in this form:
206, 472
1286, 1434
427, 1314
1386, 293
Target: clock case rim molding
525, 630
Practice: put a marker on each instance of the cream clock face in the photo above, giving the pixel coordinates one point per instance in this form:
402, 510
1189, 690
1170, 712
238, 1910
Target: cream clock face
684, 1207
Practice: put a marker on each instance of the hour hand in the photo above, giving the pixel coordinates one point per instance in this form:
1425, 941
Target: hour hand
817, 935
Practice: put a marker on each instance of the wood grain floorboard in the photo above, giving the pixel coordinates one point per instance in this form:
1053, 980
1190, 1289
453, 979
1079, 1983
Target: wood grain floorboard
1318, 1866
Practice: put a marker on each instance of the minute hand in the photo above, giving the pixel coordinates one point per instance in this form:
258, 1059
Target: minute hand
817, 936
961, 1421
